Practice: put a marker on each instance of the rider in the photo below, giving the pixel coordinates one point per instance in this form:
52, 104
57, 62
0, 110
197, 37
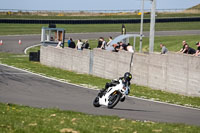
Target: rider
126, 84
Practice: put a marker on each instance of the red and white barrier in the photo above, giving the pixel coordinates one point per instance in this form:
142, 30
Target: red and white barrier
20, 42
1, 42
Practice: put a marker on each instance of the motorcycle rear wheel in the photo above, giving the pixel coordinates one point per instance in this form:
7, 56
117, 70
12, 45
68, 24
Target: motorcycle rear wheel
114, 99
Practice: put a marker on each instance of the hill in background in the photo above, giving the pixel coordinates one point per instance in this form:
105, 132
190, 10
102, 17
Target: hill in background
195, 7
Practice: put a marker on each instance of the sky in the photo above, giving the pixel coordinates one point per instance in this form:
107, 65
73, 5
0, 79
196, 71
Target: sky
94, 4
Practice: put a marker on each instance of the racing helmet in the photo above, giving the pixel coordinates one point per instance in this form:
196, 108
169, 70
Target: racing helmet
127, 76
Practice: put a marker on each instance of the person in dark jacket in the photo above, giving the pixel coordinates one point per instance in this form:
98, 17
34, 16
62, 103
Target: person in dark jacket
72, 43
86, 45
189, 50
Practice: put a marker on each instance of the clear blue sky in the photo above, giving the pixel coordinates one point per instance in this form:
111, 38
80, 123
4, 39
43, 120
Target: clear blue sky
93, 4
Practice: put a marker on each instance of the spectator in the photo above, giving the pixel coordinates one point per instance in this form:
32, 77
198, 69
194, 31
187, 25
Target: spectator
123, 29
59, 45
122, 46
198, 49
69, 41
110, 40
183, 48
72, 43
103, 43
100, 42
109, 47
79, 44
51, 39
163, 49
130, 48
86, 45
189, 50
116, 47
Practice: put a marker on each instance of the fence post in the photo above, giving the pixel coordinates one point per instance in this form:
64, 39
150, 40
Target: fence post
91, 62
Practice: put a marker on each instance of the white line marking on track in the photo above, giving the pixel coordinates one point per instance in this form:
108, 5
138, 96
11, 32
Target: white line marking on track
96, 89
25, 51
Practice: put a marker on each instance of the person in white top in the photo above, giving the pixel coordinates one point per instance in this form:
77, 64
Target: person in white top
79, 44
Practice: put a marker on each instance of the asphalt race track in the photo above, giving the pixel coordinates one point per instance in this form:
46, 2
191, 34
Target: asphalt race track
21, 87
24, 88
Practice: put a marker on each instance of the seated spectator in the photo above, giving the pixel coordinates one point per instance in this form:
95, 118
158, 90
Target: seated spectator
108, 43
51, 39
59, 45
198, 49
79, 44
103, 43
189, 50
183, 48
109, 47
130, 48
86, 45
116, 47
122, 46
69, 41
164, 50
72, 43
100, 42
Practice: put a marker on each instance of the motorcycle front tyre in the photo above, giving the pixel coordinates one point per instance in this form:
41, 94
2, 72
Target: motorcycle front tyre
96, 102
112, 104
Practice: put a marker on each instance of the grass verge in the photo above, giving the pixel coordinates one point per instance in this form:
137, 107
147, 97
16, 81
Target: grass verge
18, 29
95, 82
173, 43
23, 119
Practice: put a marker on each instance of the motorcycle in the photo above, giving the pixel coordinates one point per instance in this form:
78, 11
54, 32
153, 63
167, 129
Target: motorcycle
111, 96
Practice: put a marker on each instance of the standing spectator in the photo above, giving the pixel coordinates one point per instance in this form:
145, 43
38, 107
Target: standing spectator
198, 49
163, 49
183, 48
123, 29
189, 50
79, 44
68, 42
86, 45
72, 43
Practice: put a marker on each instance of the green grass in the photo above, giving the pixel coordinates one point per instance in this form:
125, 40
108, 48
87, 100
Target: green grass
173, 43
95, 82
23, 119
13, 29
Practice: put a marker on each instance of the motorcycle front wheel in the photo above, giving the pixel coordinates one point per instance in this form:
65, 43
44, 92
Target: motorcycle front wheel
114, 99
96, 102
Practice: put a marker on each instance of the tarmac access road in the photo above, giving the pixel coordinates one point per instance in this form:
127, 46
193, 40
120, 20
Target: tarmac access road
21, 87
11, 42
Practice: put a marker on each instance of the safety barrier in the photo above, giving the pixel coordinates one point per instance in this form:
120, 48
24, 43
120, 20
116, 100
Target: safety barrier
177, 73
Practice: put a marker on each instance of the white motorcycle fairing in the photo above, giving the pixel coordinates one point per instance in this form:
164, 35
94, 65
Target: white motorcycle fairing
104, 100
